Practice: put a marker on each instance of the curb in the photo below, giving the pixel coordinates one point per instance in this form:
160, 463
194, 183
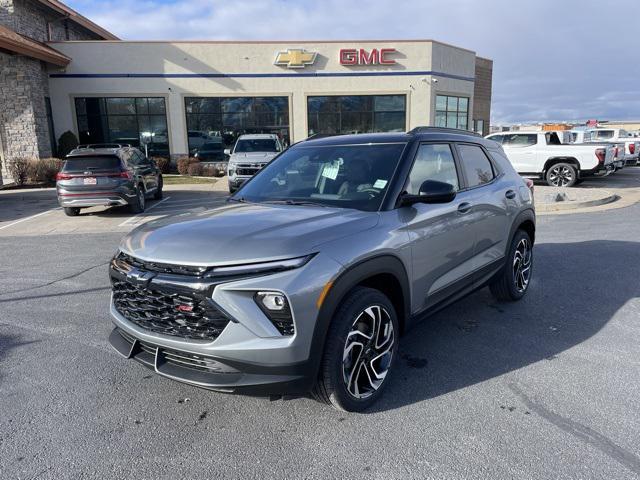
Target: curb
564, 206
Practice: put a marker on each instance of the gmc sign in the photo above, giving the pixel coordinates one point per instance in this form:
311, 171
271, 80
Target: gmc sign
353, 56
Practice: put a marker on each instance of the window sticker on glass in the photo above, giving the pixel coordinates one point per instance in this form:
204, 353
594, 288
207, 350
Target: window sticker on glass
380, 183
331, 170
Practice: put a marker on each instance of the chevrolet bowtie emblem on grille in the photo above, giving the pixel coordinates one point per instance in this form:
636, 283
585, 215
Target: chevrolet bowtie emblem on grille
295, 58
139, 277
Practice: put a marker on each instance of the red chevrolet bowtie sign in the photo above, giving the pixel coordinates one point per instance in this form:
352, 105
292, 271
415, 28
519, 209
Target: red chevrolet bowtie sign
354, 56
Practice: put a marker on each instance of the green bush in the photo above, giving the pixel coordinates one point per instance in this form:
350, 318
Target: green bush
66, 143
195, 169
19, 170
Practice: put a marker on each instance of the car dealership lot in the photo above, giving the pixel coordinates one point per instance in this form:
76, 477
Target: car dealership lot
546, 388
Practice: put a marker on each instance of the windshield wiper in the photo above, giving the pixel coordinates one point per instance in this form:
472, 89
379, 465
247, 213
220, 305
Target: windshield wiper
239, 200
296, 202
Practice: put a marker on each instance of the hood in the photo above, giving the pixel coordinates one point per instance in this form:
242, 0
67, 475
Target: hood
244, 233
252, 157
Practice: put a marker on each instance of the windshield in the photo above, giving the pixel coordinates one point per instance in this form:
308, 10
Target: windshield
91, 163
346, 176
256, 145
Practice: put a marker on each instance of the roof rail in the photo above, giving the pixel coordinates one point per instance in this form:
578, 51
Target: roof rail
104, 145
459, 131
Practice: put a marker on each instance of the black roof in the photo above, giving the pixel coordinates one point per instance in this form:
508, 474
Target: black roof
418, 133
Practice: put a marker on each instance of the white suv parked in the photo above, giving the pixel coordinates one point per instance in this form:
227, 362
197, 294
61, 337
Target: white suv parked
250, 154
542, 155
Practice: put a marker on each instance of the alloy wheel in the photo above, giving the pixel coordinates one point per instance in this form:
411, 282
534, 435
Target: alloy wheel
522, 265
368, 352
561, 176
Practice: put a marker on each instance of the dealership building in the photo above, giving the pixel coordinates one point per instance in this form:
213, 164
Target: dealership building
175, 95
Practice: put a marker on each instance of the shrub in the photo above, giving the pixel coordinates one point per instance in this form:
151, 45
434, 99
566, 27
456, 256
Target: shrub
210, 171
66, 143
19, 170
44, 170
195, 169
164, 164
183, 164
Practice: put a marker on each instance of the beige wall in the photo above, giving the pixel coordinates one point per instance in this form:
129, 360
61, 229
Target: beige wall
413, 59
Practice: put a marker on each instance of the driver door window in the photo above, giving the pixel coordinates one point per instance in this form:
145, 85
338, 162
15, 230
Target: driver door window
433, 162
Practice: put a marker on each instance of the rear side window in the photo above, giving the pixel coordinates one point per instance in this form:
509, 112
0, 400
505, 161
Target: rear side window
477, 167
521, 140
91, 163
497, 138
433, 162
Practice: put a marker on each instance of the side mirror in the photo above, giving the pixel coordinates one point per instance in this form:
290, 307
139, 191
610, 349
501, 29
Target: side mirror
227, 151
431, 191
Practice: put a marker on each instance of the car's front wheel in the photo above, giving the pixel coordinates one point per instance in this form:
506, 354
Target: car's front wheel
513, 281
361, 346
158, 194
138, 203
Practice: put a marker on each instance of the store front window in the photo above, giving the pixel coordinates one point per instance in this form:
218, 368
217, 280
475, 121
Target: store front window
356, 114
125, 120
452, 112
221, 120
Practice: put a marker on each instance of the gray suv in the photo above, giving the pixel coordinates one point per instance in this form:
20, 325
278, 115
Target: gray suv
107, 175
308, 277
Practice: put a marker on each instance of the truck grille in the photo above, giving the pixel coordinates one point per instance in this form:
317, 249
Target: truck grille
174, 314
247, 171
162, 267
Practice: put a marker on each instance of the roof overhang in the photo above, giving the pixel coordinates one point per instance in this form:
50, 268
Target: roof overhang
75, 17
18, 44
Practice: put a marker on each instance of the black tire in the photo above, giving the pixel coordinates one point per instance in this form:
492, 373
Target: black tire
158, 194
137, 205
505, 287
561, 175
72, 211
232, 190
335, 384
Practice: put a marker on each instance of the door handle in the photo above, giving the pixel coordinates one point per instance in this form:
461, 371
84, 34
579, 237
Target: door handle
510, 194
464, 207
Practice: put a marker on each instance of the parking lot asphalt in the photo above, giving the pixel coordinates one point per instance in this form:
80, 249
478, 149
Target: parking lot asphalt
544, 388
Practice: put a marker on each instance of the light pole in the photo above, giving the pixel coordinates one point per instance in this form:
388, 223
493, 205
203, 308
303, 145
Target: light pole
146, 138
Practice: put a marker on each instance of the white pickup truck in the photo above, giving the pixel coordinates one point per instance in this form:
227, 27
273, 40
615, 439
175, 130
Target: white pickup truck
616, 135
542, 155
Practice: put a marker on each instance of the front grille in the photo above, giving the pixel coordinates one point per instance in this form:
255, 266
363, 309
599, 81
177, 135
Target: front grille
174, 314
247, 171
162, 267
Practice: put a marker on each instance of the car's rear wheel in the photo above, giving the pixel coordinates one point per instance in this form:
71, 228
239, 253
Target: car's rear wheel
72, 211
158, 194
513, 281
562, 175
138, 204
360, 349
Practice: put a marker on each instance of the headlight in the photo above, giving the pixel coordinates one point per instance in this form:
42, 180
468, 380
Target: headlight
262, 268
276, 307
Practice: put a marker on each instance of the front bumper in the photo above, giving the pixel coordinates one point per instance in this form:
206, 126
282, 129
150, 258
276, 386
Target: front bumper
249, 355
213, 373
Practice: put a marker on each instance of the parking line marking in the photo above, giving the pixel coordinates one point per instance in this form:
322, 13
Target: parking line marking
135, 217
28, 218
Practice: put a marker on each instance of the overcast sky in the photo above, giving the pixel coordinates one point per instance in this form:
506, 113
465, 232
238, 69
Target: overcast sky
553, 59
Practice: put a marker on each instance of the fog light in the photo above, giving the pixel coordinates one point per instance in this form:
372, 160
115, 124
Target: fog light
231, 172
276, 307
272, 301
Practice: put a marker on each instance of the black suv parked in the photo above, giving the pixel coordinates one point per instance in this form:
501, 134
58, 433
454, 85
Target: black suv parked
108, 175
